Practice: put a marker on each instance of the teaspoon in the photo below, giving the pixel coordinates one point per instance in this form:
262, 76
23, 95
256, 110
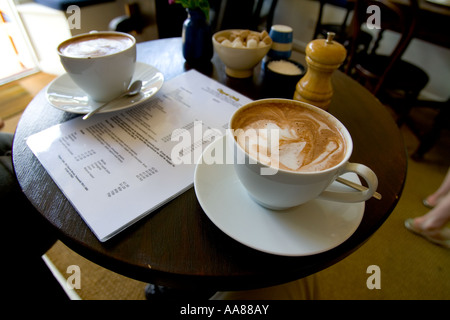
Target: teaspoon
134, 89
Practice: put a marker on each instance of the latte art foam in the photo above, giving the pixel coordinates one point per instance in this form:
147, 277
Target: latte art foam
307, 141
95, 46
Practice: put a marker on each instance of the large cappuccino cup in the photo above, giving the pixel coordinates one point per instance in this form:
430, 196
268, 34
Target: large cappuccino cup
101, 63
293, 153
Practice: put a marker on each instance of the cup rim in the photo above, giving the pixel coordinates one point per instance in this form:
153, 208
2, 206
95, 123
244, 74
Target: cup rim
344, 131
94, 33
281, 28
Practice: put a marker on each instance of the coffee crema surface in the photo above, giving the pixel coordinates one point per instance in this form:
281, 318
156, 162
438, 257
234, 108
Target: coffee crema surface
95, 45
308, 141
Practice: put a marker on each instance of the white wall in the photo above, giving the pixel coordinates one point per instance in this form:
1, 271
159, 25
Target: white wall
435, 60
46, 28
301, 15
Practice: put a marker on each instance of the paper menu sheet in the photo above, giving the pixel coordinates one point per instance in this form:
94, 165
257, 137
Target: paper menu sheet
117, 167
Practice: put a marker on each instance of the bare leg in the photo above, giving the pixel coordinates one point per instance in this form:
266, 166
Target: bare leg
444, 189
431, 226
437, 217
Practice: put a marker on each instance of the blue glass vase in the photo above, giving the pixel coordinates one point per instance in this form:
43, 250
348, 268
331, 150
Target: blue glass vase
197, 41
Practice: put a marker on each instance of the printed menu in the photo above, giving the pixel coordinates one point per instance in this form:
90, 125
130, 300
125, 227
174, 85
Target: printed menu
115, 168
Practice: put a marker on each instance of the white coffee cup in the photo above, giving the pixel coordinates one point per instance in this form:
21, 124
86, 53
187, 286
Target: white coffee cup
279, 188
101, 63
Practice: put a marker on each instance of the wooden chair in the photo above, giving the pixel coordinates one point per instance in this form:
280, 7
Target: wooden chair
132, 22
260, 17
393, 80
340, 30
238, 14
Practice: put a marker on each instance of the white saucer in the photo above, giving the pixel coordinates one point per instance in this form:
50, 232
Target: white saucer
311, 228
65, 95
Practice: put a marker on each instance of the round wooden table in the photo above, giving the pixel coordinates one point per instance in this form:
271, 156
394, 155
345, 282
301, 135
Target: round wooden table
178, 246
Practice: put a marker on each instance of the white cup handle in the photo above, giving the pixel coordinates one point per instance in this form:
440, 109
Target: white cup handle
361, 170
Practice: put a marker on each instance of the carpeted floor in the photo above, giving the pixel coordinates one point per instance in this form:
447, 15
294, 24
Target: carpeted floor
13, 96
409, 266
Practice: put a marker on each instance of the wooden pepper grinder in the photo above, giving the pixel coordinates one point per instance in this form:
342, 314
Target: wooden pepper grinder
323, 56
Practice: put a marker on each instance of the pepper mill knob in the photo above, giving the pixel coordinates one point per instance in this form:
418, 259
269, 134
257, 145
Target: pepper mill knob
323, 56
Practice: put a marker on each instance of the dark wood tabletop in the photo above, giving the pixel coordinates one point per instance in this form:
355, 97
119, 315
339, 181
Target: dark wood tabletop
177, 245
